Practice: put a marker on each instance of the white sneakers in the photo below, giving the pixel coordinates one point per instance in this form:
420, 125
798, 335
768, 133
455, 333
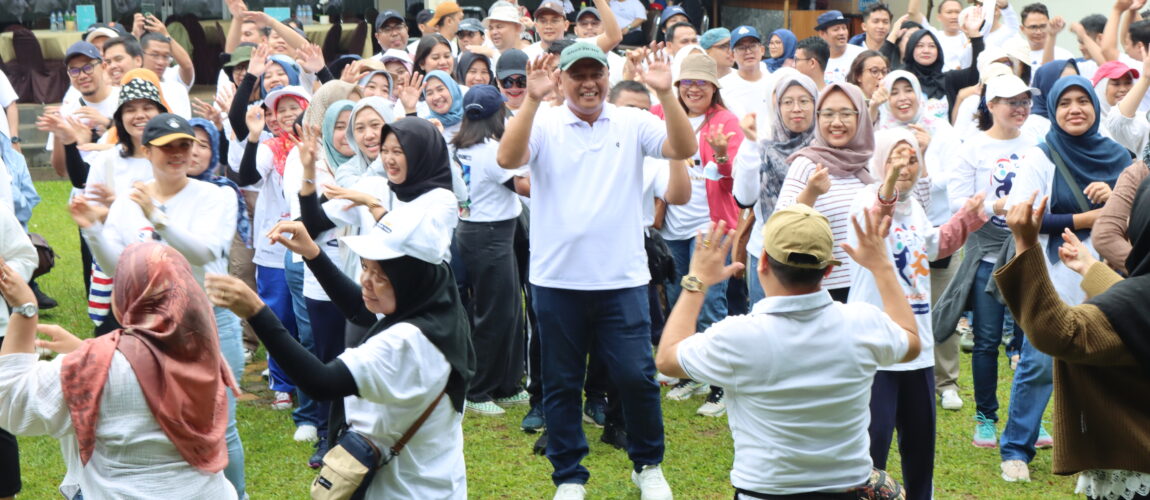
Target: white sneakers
686, 388
306, 433
652, 484
1015, 471
950, 400
570, 491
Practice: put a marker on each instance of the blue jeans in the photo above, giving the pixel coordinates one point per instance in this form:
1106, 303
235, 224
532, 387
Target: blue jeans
232, 347
714, 304
1033, 384
308, 411
327, 327
616, 324
754, 288
988, 317
272, 287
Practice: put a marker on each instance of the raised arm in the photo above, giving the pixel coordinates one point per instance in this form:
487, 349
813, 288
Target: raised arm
611, 35
293, 39
179, 54
681, 141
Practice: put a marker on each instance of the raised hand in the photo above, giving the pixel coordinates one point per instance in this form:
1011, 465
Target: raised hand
921, 134
308, 144
1056, 25
412, 89
224, 97
293, 236
657, 74
750, 124
1024, 219
1098, 192
353, 72
1074, 253
93, 117
151, 23
310, 58
207, 112
709, 262
259, 61
973, 25
138, 25
871, 252
540, 78
255, 122
819, 183
1137, 5
62, 341
231, 293
143, 197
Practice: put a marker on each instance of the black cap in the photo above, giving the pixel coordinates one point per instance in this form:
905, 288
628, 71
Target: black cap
589, 10
511, 62
164, 128
424, 16
386, 16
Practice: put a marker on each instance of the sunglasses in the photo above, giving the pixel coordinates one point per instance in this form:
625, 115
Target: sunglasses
87, 69
514, 81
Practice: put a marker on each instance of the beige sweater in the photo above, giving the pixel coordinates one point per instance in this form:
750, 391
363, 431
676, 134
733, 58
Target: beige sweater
1101, 396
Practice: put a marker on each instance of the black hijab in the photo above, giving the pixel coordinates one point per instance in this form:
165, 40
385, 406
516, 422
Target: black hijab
426, 154
930, 77
1125, 303
426, 296
466, 60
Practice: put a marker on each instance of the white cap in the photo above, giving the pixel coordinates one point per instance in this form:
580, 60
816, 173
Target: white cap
397, 55
419, 229
99, 32
994, 70
1008, 86
1017, 48
274, 96
507, 13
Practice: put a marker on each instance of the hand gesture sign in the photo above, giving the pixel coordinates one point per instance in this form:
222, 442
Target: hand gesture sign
819, 183
540, 78
921, 135
233, 294
871, 252
657, 74
750, 124
712, 247
718, 140
1024, 220
259, 61
412, 89
310, 58
255, 122
1074, 253
294, 236
307, 141
974, 203
1056, 25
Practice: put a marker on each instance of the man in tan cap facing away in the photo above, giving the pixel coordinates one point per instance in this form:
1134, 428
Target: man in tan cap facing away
445, 19
798, 369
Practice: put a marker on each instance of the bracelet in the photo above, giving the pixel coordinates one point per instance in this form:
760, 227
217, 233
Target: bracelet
721, 160
892, 199
310, 181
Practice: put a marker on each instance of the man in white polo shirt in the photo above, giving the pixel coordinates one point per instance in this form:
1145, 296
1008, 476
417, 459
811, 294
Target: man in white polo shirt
588, 266
798, 369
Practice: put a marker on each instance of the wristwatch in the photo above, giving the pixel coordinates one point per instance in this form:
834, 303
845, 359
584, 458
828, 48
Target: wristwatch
692, 284
16, 140
28, 310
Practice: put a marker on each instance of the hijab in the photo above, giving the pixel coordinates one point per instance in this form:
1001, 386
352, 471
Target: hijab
359, 162
285, 141
789, 41
243, 223
455, 114
390, 82
852, 159
1044, 80
428, 164
169, 338
1089, 157
930, 77
466, 59
1124, 304
887, 119
331, 154
290, 68
328, 93
783, 142
884, 144
427, 297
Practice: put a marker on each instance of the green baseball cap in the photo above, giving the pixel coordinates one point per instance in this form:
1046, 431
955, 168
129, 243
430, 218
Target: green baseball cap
242, 54
579, 51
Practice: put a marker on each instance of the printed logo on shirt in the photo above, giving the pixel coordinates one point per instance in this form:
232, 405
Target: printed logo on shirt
147, 233
1001, 181
912, 263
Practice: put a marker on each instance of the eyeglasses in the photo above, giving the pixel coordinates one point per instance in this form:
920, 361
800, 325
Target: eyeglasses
877, 72
801, 103
797, 59
395, 28
87, 69
744, 48
694, 83
843, 115
158, 56
1017, 103
514, 81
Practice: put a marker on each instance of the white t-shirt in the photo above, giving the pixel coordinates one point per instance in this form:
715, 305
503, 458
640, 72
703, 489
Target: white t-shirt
201, 224
292, 182
742, 96
797, 372
398, 373
73, 100
912, 244
683, 222
987, 165
838, 67
956, 51
1131, 133
8, 97
176, 95
653, 171
586, 191
271, 208
627, 11
1059, 53
116, 173
490, 200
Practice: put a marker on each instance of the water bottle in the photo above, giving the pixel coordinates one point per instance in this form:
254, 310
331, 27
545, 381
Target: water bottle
55, 18
307, 14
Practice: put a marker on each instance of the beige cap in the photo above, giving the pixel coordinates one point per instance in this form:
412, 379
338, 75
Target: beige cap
800, 231
699, 67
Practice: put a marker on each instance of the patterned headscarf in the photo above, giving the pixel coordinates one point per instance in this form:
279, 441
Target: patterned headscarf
137, 84
283, 142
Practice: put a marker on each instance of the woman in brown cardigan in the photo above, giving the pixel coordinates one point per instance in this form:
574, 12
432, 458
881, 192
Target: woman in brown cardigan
1101, 352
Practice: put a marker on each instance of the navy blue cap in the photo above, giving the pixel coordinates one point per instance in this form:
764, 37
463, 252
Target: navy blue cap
671, 11
744, 32
424, 16
482, 101
511, 62
386, 16
830, 18
82, 49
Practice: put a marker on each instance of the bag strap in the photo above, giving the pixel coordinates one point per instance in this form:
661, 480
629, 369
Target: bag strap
398, 446
1064, 172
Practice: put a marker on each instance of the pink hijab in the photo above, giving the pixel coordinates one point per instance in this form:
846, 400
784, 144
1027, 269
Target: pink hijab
852, 159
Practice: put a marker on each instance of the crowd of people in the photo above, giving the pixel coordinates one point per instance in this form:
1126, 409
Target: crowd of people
548, 209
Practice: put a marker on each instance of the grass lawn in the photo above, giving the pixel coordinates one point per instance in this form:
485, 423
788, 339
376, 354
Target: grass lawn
499, 459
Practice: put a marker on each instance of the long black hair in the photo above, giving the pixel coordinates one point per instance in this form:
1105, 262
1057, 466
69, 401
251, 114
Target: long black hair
472, 132
423, 50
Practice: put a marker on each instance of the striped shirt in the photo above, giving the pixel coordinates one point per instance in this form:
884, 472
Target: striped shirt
835, 205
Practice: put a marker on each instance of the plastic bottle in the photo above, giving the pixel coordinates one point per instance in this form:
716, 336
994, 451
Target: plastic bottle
306, 14
55, 20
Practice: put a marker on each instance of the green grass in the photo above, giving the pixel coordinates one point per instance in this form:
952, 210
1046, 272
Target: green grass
499, 459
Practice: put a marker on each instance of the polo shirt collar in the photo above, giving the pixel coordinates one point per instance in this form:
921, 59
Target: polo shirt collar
792, 303
570, 118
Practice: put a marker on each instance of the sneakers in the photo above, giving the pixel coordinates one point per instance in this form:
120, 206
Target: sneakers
614, 435
594, 412
521, 398
652, 484
665, 380
306, 433
265, 374
488, 408
714, 407
1015, 471
533, 421
985, 433
950, 400
1045, 440
540, 446
965, 335
316, 459
686, 388
570, 491
282, 401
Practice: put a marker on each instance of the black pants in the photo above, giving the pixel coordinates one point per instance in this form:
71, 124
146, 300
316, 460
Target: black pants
487, 252
9, 462
86, 261
904, 400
